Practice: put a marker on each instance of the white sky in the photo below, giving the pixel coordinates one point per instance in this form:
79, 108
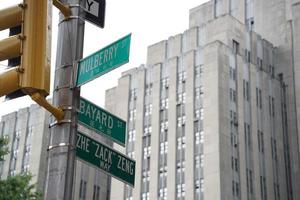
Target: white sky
149, 21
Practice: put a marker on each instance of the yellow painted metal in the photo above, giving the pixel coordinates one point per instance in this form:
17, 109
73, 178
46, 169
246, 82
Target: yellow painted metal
36, 47
40, 99
9, 81
64, 9
10, 47
10, 17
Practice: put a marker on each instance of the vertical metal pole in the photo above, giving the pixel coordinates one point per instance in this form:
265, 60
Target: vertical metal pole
62, 146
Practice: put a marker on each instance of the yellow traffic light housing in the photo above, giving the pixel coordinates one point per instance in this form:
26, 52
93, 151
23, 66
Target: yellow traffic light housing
34, 47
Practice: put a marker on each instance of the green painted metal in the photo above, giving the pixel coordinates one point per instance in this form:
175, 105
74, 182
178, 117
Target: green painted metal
105, 158
101, 121
103, 61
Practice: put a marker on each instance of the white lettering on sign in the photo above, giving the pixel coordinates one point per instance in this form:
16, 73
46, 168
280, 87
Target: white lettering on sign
105, 166
92, 7
83, 143
103, 153
100, 58
96, 115
125, 165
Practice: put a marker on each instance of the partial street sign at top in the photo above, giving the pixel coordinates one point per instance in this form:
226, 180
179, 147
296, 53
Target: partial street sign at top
103, 61
95, 12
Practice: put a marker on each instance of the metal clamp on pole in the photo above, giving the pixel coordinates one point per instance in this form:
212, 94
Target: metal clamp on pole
59, 145
74, 74
64, 9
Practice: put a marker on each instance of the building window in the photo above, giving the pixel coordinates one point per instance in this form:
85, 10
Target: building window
247, 56
132, 115
263, 188
232, 73
165, 83
26, 157
199, 71
164, 147
258, 98
147, 130
29, 135
82, 190
233, 7
181, 77
164, 104
148, 89
260, 136
237, 189
273, 107
218, 7
232, 95
201, 184
96, 193
133, 94
181, 97
235, 47
148, 109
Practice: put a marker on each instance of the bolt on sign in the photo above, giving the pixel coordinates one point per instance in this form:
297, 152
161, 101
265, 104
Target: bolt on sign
105, 158
101, 121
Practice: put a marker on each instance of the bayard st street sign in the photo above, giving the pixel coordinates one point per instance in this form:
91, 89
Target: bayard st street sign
105, 158
101, 121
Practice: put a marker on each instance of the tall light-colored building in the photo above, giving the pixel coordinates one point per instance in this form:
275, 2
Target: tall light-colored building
28, 134
213, 113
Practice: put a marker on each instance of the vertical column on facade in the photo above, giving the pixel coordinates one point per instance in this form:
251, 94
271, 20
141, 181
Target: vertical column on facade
77, 178
267, 127
117, 101
228, 120
171, 174
189, 62
139, 132
20, 135
248, 136
254, 113
285, 139
296, 58
276, 142
240, 144
279, 134
8, 131
90, 184
154, 164
36, 140
1, 135
211, 106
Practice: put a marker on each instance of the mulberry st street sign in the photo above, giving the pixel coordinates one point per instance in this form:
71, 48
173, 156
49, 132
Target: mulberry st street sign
105, 158
103, 61
101, 121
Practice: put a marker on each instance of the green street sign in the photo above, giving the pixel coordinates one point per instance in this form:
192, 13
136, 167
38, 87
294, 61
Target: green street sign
101, 121
103, 61
105, 158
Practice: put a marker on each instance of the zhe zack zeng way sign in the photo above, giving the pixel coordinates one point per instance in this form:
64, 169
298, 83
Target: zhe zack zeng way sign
103, 61
105, 158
